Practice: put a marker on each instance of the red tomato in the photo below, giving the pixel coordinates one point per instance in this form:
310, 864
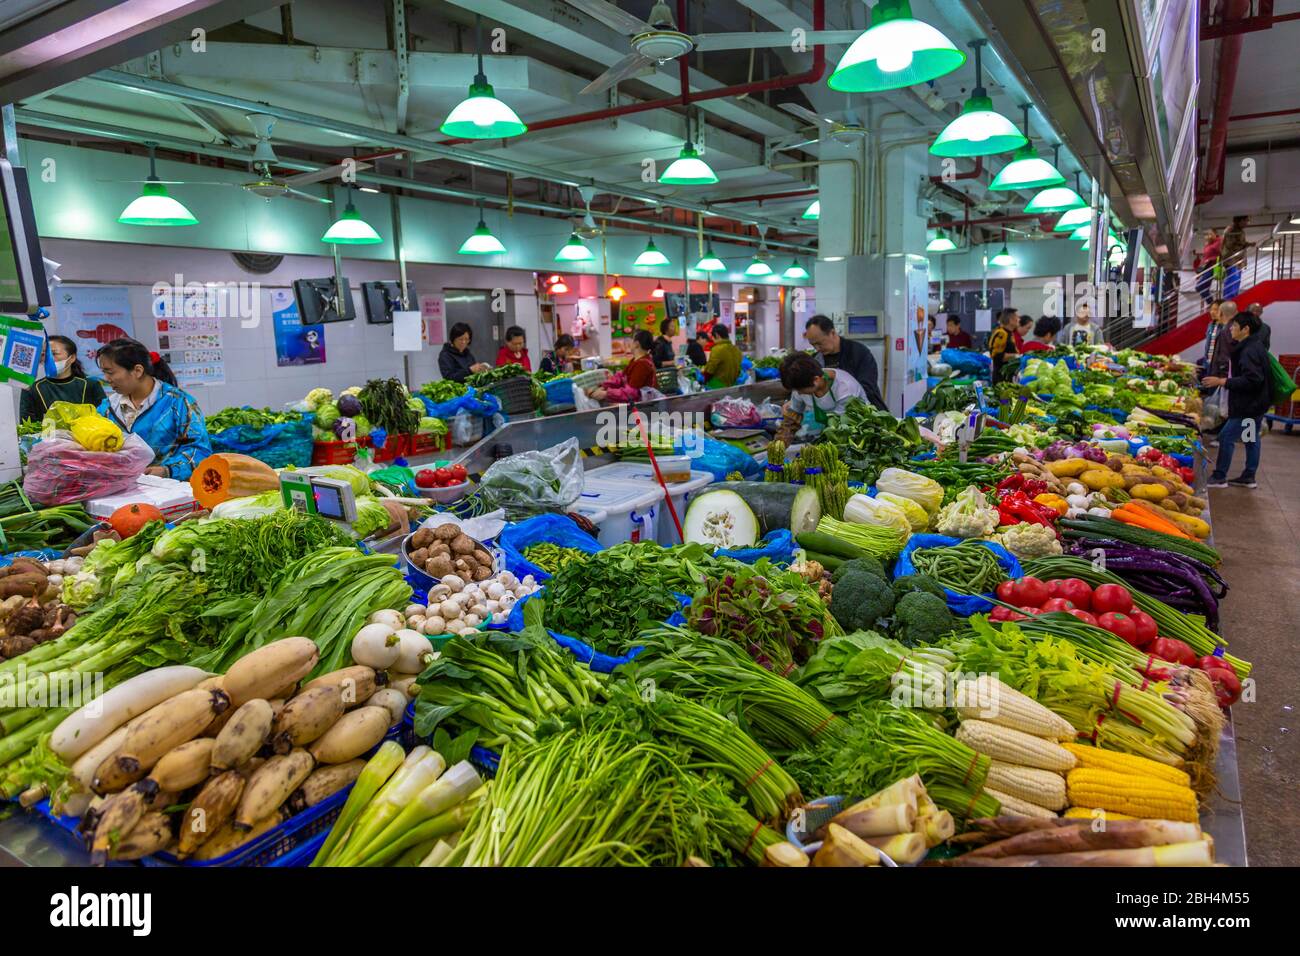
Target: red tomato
1000, 613
1172, 649
425, 478
1121, 625
442, 477
1147, 631
1006, 592
1075, 590
1057, 604
1031, 591
1112, 597
458, 473
1054, 588
1083, 616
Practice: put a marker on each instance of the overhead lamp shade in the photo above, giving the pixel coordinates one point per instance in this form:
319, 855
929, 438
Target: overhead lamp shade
558, 287
940, 243
1082, 233
896, 51
710, 262
1295, 220
482, 116
575, 250
1055, 199
1027, 170
757, 267
351, 230
651, 256
616, 291
978, 131
1072, 219
153, 207
688, 170
1003, 258
814, 210
658, 292
795, 271
481, 242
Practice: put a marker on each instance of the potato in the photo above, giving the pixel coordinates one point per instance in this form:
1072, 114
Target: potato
463, 544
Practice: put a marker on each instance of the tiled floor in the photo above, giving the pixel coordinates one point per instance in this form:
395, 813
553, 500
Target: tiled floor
1258, 534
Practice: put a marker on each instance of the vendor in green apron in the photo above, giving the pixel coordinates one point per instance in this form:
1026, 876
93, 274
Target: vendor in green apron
722, 370
826, 391
69, 383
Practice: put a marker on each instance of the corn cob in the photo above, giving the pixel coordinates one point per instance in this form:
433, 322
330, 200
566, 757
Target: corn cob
1015, 807
1014, 746
1086, 813
1040, 787
1098, 759
987, 698
1143, 797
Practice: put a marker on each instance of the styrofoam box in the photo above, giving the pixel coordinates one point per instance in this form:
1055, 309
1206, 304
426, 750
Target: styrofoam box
621, 510
643, 473
173, 498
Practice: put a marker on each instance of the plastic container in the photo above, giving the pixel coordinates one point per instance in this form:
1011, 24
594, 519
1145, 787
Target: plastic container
333, 452
447, 493
621, 510
681, 492
515, 395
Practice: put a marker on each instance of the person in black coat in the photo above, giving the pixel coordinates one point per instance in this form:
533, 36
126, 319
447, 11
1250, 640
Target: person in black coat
1250, 393
835, 351
664, 355
695, 348
456, 361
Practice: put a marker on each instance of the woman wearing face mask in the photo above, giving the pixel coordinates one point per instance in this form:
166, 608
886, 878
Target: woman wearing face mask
69, 383
146, 402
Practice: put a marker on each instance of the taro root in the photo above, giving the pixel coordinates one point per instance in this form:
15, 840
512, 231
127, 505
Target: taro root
482, 573
439, 566
483, 558
422, 538
15, 645
26, 619
439, 547
419, 557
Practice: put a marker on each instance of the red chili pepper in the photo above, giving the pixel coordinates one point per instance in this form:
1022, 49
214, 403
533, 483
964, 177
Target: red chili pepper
1017, 507
1011, 482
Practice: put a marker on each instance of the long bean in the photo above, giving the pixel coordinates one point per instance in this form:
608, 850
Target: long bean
967, 568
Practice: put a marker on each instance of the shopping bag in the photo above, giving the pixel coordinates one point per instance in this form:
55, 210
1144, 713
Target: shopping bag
1214, 411
1283, 383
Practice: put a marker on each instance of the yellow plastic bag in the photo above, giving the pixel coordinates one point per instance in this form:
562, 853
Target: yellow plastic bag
63, 414
96, 433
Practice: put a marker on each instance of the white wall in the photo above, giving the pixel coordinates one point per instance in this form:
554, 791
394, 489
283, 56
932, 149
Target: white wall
355, 351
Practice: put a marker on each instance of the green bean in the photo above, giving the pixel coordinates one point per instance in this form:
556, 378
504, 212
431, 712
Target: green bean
966, 568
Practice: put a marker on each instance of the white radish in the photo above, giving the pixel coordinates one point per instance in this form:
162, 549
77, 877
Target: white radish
394, 619
406, 684
96, 719
394, 700
433, 626
376, 645
450, 610
414, 648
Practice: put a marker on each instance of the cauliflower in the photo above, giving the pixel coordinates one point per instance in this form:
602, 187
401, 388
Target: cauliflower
318, 397
1029, 541
354, 390
968, 516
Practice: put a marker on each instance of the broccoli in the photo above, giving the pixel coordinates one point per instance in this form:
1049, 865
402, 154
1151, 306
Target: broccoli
917, 582
860, 599
921, 618
866, 563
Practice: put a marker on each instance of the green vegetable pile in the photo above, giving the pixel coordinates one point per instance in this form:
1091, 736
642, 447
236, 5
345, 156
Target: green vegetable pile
870, 440
946, 397
386, 404
551, 557
53, 528
967, 568
606, 599
443, 390
251, 417
495, 375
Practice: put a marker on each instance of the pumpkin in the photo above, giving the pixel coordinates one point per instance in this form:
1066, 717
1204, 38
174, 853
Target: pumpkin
227, 475
129, 519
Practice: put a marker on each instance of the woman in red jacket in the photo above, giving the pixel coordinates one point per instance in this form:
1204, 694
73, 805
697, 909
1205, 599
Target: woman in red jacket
515, 351
625, 386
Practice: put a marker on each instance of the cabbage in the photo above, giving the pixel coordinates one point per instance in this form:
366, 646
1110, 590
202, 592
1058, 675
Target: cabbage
327, 414
317, 397
372, 517
879, 513
255, 506
80, 590
415, 405
914, 513
926, 492
363, 425
320, 434
432, 426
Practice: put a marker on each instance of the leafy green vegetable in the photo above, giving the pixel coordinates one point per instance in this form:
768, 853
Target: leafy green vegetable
869, 439
443, 390
251, 417
386, 404
606, 599
495, 375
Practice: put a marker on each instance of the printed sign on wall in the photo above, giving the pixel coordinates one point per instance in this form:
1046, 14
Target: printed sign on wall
295, 343
92, 316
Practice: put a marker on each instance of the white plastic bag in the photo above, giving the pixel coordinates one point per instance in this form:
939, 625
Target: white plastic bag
465, 429
1214, 410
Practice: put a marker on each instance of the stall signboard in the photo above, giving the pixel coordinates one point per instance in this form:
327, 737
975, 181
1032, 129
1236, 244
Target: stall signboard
295, 343
433, 310
635, 316
92, 316
22, 350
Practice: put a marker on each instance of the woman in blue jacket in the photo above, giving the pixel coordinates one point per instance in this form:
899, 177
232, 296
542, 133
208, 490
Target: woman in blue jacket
147, 402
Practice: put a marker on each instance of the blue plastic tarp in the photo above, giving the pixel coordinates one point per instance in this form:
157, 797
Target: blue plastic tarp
551, 528
963, 604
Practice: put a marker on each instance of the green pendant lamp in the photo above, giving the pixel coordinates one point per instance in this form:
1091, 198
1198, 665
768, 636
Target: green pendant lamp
688, 169
757, 267
1004, 257
1072, 219
710, 262
795, 271
350, 229
575, 250
153, 207
814, 210
481, 242
896, 51
1027, 170
1057, 199
979, 130
481, 115
940, 242
1083, 233
651, 256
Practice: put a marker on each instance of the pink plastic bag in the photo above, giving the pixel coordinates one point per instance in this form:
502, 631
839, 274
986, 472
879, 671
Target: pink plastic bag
60, 471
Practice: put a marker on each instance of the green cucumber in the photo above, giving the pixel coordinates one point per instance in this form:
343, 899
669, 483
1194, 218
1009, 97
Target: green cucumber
828, 561
824, 543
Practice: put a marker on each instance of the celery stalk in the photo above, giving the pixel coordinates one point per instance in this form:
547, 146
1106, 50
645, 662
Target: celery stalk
439, 796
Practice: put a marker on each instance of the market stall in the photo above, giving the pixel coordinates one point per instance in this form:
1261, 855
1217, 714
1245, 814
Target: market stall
960, 638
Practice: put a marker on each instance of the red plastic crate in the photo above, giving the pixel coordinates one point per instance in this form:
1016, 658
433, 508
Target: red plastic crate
395, 446
333, 452
429, 444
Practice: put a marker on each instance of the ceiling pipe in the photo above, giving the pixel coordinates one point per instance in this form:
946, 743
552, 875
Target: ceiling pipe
769, 196
412, 144
90, 128
1216, 154
688, 96
989, 221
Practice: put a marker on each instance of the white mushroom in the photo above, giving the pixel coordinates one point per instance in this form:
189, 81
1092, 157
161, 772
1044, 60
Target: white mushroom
495, 589
472, 620
454, 581
439, 593
415, 620
413, 609
433, 626
450, 610
492, 606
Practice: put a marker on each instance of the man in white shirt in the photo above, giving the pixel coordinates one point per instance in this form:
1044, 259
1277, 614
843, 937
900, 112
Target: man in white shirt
1081, 331
824, 391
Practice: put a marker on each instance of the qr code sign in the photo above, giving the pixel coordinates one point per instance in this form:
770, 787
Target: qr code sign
23, 357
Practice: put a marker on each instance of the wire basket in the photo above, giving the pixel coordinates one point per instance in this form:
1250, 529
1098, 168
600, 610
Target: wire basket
666, 381
514, 394
811, 817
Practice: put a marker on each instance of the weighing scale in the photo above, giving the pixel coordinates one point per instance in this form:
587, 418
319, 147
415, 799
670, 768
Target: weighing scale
330, 498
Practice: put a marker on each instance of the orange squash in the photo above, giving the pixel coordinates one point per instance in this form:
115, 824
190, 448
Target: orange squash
226, 475
129, 519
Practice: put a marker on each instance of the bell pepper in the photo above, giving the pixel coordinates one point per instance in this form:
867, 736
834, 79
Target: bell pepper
1055, 502
1012, 482
1017, 507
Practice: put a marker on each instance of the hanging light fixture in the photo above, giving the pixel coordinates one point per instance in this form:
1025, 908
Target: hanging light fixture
616, 292
710, 262
153, 207
575, 250
481, 115
757, 267
350, 229
688, 169
1027, 170
557, 286
658, 292
979, 130
896, 51
940, 242
1003, 257
814, 210
651, 256
1082, 233
1072, 219
481, 242
1057, 198
795, 271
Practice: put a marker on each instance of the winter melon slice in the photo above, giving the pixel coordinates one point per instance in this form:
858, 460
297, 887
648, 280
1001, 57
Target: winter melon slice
736, 514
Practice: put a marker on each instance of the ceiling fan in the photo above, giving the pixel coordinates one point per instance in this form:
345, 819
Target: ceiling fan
586, 226
657, 39
263, 157
846, 134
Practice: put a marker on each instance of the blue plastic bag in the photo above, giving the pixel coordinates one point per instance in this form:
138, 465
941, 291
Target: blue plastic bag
962, 604
472, 402
777, 546
721, 459
765, 373
966, 361
288, 443
552, 528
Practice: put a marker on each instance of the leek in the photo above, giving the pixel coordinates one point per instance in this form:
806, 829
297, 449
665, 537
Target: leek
417, 807
382, 766
390, 803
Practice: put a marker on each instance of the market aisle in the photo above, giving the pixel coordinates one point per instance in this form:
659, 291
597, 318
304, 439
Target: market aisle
1257, 534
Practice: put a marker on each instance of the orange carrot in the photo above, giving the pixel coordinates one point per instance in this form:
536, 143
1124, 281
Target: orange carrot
1141, 518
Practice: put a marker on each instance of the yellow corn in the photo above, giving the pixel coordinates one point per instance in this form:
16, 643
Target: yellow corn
1097, 759
1137, 796
987, 698
1015, 807
1040, 787
1087, 813
1014, 746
